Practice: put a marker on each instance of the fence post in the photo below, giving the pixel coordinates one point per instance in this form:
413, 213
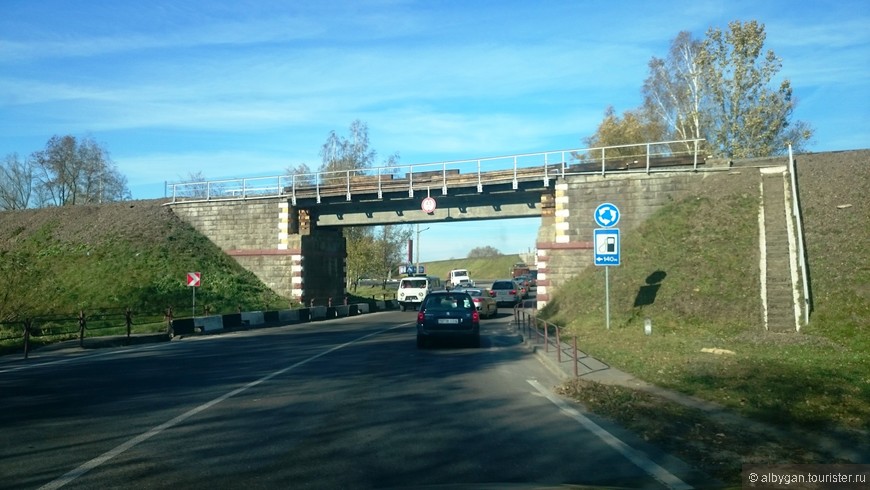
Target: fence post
82, 323
169, 330
576, 361
558, 346
128, 319
28, 323
546, 337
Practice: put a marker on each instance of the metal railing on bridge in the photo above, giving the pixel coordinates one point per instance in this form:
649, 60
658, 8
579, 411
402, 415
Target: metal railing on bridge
423, 177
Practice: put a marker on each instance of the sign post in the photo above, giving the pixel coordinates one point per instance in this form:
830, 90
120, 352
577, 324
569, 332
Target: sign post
606, 245
194, 279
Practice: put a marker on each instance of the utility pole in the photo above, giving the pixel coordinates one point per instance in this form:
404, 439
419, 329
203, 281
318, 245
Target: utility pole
417, 258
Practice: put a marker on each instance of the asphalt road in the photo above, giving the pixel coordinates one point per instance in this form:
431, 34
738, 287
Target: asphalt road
347, 403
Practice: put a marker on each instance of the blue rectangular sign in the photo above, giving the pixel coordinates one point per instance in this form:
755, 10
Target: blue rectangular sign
606, 245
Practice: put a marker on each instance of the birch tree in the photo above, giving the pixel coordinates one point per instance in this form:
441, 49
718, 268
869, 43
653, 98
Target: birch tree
673, 92
717, 89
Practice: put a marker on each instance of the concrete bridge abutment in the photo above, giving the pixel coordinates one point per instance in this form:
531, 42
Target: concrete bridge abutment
564, 243
277, 243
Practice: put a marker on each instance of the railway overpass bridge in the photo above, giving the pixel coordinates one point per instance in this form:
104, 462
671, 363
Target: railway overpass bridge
287, 229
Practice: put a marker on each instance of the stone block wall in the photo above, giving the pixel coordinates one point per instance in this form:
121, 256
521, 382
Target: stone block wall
257, 234
564, 243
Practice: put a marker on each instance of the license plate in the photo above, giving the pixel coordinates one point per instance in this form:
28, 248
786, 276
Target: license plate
448, 321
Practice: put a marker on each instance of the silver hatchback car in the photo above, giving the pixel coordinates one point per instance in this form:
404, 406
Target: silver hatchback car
506, 292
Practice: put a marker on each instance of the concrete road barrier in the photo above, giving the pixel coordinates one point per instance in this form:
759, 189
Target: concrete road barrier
207, 324
288, 316
251, 318
317, 312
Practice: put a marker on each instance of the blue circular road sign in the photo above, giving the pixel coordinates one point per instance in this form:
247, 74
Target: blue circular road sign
606, 215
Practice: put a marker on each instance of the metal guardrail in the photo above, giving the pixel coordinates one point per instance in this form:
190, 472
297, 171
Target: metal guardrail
801, 239
545, 166
550, 335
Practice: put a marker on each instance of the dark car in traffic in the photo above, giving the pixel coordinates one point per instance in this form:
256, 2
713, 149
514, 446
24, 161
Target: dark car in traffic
448, 315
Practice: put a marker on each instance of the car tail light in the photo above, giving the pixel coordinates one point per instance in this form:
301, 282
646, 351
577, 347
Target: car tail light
492, 294
475, 316
513, 291
420, 316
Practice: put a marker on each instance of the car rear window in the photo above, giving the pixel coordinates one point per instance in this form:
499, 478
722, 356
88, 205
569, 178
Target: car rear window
448, 302
502, 285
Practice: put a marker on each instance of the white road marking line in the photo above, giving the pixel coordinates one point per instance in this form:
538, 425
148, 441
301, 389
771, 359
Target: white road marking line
103, 458
639, 459
35, 362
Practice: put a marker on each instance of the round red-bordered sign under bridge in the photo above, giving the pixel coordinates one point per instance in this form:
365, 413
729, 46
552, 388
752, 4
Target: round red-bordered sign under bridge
428, 205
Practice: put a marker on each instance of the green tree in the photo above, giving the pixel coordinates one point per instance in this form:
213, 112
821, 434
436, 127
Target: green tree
621, 136
361, 253
743, 117
717, 90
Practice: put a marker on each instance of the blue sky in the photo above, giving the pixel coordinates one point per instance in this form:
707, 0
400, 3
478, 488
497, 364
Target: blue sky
247, 88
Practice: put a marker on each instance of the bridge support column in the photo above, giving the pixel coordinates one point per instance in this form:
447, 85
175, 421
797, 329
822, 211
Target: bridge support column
323, 256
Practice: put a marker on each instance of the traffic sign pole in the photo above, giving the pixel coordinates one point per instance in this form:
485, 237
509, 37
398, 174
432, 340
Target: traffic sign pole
607, 296
193, 281
606, 245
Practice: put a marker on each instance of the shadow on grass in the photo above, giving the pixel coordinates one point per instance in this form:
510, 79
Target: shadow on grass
785, 394
646, 295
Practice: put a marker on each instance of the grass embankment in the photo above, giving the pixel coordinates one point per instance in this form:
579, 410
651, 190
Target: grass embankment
693, 270
105, 259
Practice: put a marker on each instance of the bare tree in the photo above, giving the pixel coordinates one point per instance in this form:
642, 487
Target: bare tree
483, 252
368, 252
16, 183
302, 174
194, 185
69, 172
351, 153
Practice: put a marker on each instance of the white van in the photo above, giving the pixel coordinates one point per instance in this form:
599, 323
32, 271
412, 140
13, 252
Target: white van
413, 289
459, 277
